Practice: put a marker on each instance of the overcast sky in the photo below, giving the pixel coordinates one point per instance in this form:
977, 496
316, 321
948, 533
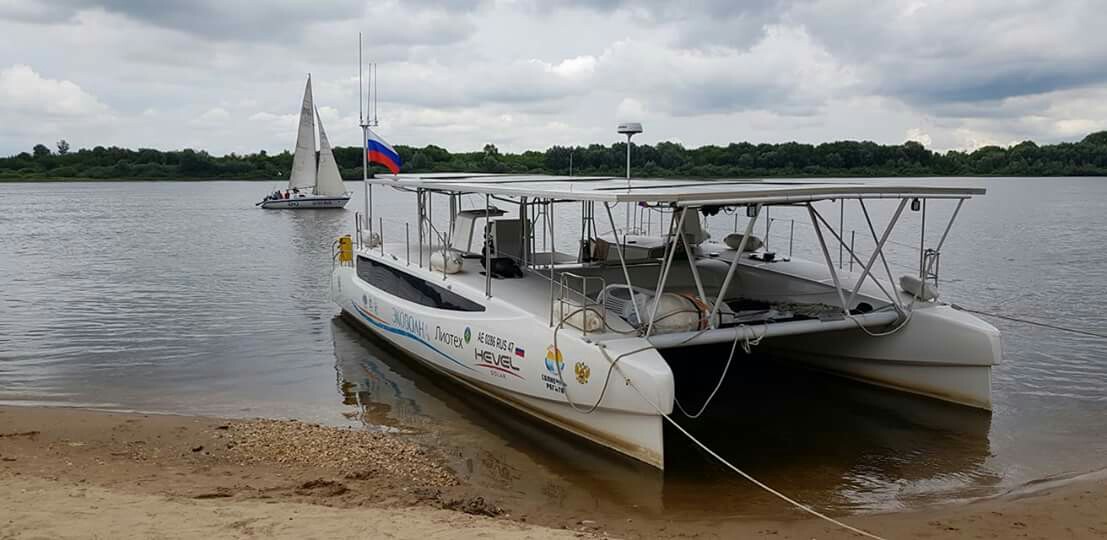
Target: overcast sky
228, 75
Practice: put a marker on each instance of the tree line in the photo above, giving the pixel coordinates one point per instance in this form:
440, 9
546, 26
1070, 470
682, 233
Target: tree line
665, 159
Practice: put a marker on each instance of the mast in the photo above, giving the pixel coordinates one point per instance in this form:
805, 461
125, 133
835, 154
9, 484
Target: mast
364, 143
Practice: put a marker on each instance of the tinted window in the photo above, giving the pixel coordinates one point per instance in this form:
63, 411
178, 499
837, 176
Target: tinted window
411, 288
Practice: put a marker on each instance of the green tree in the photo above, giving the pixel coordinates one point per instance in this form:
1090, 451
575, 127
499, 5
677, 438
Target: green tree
40, 150
63, 147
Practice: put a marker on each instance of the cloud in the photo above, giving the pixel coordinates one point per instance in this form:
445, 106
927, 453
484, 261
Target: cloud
526, 74
23, 89
917, 135
785, 72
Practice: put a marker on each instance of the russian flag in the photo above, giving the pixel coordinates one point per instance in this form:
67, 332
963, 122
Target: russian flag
382, 153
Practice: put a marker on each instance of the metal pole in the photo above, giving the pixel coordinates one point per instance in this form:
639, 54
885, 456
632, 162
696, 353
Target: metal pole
945, 233
692, 265
364, 144
570, 162
830, 229
852, 238
922, 243
623, 263
842, 230
665, 272
629, 204
791, 237
768, 221
407, 241
382, 235
883, 258
487, 246
826, 257
879, 249
553, 256
734, 264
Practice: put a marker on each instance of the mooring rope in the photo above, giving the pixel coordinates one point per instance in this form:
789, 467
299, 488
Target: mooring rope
729, 465
1030, 322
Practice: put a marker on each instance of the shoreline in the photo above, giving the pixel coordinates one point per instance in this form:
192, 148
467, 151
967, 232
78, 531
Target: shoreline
75, 472
63, 180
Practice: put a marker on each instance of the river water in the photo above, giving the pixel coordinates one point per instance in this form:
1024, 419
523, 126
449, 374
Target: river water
184, 298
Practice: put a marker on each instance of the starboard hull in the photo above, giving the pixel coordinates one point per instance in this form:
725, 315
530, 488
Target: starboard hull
490, 352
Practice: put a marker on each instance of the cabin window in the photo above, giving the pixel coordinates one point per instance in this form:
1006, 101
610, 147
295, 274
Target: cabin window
412, 288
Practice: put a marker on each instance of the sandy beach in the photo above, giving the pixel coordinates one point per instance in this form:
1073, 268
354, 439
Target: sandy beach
71, 473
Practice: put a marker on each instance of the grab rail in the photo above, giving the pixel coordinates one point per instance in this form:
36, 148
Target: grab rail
586, 303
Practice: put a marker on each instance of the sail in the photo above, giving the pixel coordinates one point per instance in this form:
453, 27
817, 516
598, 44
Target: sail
303, 162
328, 181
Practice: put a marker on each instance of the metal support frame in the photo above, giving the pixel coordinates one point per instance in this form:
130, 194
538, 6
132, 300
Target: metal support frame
665, 269
878, 250
883, 259
854, 258
826, 256
623, 263
734, 264
692, 264
941, 242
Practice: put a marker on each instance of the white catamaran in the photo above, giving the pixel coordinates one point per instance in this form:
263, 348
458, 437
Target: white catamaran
589, 338
310, 184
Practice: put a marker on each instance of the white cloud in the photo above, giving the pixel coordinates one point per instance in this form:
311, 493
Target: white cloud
917, 135
527, 74
22, 88
630, 110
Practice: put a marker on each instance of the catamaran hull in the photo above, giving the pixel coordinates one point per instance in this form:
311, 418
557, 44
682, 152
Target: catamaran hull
304, 203
942, 353
508, 355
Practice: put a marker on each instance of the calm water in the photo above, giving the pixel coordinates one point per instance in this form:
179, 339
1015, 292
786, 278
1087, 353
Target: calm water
182, 297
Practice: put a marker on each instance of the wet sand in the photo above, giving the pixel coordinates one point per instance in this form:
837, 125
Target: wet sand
77, 473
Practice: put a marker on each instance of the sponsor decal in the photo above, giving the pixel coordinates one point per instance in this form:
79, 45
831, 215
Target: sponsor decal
370, 304
449, 338
554, 364
582, 371
495, 342
383, 325
409, 323
520, 352
468, 335
499, 364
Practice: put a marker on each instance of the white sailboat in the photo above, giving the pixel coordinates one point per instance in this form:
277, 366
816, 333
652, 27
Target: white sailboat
310, 184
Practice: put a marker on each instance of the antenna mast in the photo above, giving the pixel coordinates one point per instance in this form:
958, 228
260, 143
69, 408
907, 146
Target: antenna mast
363, 120
360, 89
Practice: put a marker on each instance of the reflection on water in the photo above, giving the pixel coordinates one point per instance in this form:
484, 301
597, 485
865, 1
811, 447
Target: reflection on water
182, 297
830, 442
